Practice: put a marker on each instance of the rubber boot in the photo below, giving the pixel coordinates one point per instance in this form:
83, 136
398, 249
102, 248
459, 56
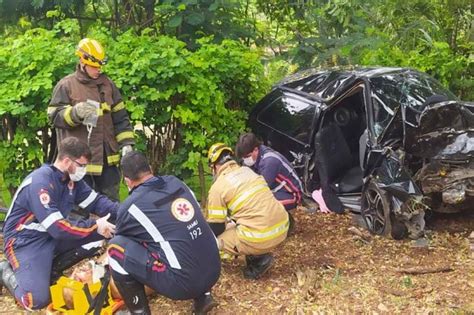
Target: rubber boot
133, 294
7, 278
257, 265
248, 269
204, 304
291, 225
68, 259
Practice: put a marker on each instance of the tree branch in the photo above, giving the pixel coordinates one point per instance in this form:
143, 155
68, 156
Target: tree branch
424, 270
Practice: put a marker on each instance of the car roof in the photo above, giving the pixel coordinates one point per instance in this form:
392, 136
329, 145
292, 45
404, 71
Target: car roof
325, 84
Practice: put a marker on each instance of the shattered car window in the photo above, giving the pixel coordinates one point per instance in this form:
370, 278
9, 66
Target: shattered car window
417, 88
382, 115
410, 89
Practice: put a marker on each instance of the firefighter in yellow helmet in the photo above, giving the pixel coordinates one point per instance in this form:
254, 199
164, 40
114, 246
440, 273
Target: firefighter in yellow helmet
240, 196
87, 104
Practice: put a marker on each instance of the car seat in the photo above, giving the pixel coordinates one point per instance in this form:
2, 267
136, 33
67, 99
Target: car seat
335, 162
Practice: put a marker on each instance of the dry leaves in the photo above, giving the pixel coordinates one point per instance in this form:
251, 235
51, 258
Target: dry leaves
323, 269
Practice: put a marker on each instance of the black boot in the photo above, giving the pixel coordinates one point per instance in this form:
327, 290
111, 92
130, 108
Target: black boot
68, 259
8, 279
291, 225
133, 294
257, 265
204, 304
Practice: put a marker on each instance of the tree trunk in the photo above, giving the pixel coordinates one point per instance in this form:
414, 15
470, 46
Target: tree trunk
202, 184
149, 12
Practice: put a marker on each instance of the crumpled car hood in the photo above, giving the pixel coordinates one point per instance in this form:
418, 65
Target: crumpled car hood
442, 131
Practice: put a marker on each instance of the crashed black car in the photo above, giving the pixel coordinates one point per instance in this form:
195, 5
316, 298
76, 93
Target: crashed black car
389, 143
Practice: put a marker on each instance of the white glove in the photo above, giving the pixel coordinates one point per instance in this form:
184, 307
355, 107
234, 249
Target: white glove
85, 109
126, 148
105, 228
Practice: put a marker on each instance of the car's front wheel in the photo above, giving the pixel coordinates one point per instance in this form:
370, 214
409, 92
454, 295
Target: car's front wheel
376, 210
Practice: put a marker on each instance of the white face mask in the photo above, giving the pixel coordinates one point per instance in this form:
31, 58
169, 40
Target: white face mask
249, 161
128, 184
79, 174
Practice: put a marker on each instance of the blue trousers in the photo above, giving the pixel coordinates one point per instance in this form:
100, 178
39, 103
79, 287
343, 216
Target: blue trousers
32, 265
148, 266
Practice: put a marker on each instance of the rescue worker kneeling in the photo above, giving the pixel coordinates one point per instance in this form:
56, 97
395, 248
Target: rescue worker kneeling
261, 222
41, 240
162, 241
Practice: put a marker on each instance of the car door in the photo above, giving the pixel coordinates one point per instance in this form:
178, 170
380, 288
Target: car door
288, 123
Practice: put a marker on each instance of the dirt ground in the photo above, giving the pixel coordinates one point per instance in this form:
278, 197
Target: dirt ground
326, 267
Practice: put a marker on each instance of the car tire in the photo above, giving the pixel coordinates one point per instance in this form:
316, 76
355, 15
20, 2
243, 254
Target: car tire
376, 210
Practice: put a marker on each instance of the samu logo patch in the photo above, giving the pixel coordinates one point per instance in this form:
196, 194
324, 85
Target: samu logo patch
182, 210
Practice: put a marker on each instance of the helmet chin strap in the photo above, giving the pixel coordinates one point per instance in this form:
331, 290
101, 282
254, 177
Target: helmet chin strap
83, 69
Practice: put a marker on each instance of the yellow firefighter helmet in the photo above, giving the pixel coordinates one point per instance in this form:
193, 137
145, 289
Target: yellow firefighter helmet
91, 52
216, 150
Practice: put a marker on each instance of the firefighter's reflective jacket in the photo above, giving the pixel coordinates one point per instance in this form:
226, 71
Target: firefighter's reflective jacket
243, 196
113, 128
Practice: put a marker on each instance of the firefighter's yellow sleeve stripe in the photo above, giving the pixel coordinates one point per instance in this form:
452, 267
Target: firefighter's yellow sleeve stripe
67, 116
124, 135
118, 107
217, 213
263, 235
94, 169
113, 159
236, 203
105, 107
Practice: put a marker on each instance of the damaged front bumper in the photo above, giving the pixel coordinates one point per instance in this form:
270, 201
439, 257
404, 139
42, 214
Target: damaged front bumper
449, 185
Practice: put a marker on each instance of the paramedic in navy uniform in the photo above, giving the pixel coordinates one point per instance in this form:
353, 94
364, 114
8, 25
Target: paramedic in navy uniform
162, 241
40, 241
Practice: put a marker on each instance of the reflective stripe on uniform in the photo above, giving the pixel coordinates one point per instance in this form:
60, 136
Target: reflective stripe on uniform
68, 117
288, 167
155, 234
263, 235
50, 219
86, 202
277, 188
116, 266
118, 107
91, 245
217, 212
33, 226
113, 159
237, 201
51, 110
94, 168
105, 107
25, 183
124, 135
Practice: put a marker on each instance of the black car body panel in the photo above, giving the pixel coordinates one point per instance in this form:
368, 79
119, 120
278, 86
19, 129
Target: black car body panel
381, 138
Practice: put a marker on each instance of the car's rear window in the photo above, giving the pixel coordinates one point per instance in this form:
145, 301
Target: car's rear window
290, 115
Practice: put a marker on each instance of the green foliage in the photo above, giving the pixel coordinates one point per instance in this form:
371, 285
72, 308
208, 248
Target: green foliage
453, 71
31, 64
186, 70
183, 100
407, 282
